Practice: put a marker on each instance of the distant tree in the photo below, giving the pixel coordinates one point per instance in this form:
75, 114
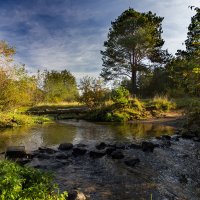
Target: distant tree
93, 92
60, 86
134, 44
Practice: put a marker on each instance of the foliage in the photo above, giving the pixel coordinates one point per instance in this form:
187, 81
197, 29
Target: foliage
15, 119
133, 39
161, 103
93, 92
59, 86
184, 69
120, 95
19, 183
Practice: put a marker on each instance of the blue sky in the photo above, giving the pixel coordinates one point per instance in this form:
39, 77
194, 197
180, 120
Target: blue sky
69, 34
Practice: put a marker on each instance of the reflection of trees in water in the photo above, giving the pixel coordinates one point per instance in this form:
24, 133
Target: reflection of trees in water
77, 132
139, 130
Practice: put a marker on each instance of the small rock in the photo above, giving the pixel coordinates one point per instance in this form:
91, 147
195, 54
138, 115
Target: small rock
15, 152
117, 155
196, 139
101, 146
81, 145
135, 146
166, 137
109, 150
79, 151
76, 195
65, 146
183, 179
97, 154
148, 146
132, 162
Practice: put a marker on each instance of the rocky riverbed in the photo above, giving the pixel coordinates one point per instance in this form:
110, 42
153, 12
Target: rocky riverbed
166, 167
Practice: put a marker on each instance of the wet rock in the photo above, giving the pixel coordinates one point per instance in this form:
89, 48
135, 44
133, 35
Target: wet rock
158, 137
79, 151
175, 137
101, 146
132, 162
166, 137
148, 146
196, 139
97, 154
117, 154
65, 146
61, 156
46, 150
76, 195
15, 152
135, 146
109, 150
183, 179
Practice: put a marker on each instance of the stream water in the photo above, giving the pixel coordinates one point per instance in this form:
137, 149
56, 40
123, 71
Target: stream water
168, 173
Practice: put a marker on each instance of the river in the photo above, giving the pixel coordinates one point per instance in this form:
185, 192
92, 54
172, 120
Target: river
169, 173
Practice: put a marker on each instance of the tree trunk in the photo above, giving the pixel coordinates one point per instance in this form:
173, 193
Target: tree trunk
134, 82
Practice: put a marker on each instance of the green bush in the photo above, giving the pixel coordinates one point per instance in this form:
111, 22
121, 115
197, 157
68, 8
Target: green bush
120, 95
136, 104
23, 183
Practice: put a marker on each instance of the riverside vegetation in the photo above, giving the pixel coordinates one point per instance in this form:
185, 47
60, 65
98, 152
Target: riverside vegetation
169, 82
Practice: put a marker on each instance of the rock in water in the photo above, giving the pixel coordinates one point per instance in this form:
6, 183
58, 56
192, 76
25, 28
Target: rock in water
65, 146
97, 154
15, 152
79, 151
101, 146
148, 146
117, 155
76, 195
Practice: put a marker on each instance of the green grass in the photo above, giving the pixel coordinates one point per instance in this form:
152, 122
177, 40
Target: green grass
23, 183
15, 119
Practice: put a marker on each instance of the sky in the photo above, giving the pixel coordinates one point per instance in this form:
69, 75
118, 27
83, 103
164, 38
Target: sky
69, 34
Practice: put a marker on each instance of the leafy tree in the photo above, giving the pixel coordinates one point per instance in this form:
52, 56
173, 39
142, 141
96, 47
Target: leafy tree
185, 68
93, 92
120, 95
60, 86
134, 44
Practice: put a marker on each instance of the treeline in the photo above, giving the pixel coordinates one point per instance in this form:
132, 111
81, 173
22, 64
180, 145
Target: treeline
19, 88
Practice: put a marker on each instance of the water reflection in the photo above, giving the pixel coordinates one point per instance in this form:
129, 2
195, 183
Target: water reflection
78, 131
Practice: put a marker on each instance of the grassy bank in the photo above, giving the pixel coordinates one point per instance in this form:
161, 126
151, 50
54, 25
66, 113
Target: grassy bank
134, 109
18, 182
12, 119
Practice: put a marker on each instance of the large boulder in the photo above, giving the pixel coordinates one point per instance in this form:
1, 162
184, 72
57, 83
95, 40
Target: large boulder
117, 154
65, 146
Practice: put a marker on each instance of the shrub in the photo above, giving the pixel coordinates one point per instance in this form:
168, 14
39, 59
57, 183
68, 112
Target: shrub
120, 95
136, 104
19, 183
